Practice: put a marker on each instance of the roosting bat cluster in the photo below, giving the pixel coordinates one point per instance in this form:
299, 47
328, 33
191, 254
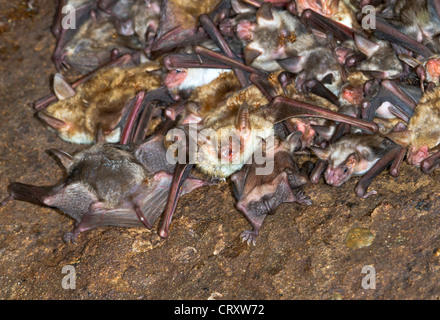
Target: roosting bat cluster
235, 82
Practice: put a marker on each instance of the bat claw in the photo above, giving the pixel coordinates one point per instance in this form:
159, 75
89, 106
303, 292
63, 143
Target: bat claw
249, 237
70, 237
366, 195
302, 198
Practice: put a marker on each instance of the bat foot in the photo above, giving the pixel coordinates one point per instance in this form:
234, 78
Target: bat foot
302, 198
249, 236
60, 62
6, 200
70, 237
366, 195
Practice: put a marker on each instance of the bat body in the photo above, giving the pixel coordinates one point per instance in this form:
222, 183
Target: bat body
178, 24
422, 136
63, 34
276, 34
125, 26
98, 103
261, 194
108, 185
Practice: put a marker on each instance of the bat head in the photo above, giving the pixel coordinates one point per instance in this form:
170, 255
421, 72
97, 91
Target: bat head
323, 7
432, 68
337, 175
416, 155
175, 77
342, 164
68, 116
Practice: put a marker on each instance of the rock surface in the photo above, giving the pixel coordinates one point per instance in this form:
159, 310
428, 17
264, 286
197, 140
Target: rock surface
301, 252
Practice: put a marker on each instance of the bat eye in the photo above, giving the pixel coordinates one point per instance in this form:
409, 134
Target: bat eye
178, 71
345, 170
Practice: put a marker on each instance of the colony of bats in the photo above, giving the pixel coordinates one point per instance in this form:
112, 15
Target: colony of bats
357, 99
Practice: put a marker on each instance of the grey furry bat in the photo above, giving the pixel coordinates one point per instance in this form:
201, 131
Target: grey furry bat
353, 154
125, 26
381, 59
108, 185
260, 194
275, 35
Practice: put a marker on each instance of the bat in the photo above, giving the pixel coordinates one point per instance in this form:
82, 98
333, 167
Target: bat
99, 103
394, 100
381, 60
178, 26
109, 185
83, 10
354, 154
261, 194
422, 137
275, 35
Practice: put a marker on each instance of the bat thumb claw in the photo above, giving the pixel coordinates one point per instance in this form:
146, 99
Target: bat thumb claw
163, 233
6, 200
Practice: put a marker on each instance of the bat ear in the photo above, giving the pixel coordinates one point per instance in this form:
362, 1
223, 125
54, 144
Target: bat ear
292, 64
409, 60
53, 122
63, 90
402, 138
243, 121
366, 46
321, 153
264, 14
65, 158
294, 139
250, 54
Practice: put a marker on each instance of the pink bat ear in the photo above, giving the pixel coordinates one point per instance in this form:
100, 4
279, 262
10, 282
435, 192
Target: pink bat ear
250, 54
292, 64
53, 122
63, 90
321, 153
366, 46
293, 140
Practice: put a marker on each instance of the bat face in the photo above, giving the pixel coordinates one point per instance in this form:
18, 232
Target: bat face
145, 16
275, 35
350, 155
